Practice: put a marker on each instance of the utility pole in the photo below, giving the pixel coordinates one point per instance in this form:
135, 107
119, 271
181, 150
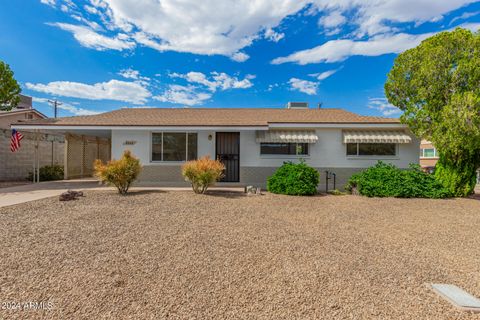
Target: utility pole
55, 104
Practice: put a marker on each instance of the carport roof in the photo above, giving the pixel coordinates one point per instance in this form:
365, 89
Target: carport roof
212, 117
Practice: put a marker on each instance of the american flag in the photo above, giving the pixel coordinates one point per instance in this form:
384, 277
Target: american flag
15, 141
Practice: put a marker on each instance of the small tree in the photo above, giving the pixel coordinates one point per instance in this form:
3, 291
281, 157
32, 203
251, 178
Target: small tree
437, 85
119, 173
202, 173
9, 88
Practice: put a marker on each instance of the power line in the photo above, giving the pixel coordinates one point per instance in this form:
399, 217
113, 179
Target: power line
55, 104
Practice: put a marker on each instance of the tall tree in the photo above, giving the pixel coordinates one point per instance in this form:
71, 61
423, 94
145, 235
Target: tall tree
437, 85
9, 88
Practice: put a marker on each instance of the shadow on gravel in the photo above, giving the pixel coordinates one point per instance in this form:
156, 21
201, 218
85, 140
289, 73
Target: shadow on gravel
226, 194
133, 193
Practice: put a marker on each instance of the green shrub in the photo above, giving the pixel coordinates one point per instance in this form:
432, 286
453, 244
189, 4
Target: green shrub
386, 180
119, 173
294, 179
49, 173
202, 173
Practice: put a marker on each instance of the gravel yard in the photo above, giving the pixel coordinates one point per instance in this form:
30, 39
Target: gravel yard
177, 255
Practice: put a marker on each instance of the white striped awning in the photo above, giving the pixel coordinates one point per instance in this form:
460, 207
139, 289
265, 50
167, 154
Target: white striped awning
276, 136
375, 136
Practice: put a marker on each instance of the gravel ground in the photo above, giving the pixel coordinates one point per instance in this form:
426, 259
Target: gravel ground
176, 255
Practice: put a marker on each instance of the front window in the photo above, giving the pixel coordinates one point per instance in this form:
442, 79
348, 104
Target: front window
284, 149
371, 149
428, 153
174, 146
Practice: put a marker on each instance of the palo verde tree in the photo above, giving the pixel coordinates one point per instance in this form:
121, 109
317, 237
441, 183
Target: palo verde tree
9, 88
437, 85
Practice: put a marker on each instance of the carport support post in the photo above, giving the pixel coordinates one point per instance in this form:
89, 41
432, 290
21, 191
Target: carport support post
65, 157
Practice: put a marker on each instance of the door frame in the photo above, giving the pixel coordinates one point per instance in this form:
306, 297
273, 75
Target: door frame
237, 167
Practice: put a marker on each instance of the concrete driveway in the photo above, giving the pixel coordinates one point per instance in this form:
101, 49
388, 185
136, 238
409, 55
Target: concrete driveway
30, 192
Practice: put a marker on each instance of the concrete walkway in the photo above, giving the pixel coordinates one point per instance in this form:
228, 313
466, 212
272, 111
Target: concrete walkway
35, 191
30, 192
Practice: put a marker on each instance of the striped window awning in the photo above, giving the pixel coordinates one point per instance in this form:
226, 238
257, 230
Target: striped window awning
374, 136
279, 136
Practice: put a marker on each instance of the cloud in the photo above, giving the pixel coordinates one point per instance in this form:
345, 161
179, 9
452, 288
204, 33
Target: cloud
464, 16
240, 57
324, 75
135, 75
186, 95
91, 39
305, 86
216, 81
373, 17
272, 35
77, 111
333, 20
339, 50
50, 3
382, 106
132, 92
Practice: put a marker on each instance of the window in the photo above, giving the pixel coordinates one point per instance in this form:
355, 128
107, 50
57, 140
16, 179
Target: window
371, 149
284, 148
428, 153
174, 146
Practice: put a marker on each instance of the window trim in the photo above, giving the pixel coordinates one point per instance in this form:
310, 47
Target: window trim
422, 153
174, 161
370, 157
281, 155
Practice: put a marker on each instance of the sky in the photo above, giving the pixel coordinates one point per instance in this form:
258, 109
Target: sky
100, 55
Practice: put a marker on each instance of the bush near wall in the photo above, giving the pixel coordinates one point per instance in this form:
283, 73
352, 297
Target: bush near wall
119, 173
49, 173
386, 180
297, 179
202, 173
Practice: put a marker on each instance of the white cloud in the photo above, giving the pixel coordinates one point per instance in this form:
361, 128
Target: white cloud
305, 86
91, 39
186, 95
132, 92
339, 50
50, 3
274, 36
216, 81
464, 16
374, 17
77, 111
240, 57
135, 75
324, 75
382, 106
333, 20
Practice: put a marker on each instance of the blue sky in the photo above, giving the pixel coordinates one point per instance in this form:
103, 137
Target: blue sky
100, 55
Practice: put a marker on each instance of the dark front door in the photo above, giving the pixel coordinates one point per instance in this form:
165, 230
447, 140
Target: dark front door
228, 152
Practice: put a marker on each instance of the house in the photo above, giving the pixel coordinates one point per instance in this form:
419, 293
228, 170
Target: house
15, 166
24, 111
428, 155
251, 142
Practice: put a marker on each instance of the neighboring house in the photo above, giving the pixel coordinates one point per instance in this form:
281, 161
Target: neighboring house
252, 143
16, 166
428, 155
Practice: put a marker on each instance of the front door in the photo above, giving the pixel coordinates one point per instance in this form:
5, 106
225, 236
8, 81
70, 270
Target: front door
227, 148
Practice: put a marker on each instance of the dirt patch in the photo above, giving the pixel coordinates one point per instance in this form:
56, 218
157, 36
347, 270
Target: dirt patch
178, 255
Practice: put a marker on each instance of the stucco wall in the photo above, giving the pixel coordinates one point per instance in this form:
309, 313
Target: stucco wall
329, 151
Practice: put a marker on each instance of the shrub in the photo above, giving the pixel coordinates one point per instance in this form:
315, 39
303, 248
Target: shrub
386, 180
49, 173
119, 173
202, 173
294, 179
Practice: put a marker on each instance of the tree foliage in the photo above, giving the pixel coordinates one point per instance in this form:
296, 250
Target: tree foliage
9, 88
297, 179
437, 85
